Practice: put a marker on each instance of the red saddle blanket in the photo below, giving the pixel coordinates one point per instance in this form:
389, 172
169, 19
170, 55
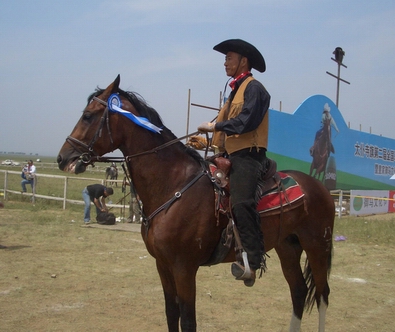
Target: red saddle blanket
286, 193
282, 190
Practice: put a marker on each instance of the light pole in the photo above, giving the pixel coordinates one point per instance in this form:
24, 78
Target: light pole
339, 54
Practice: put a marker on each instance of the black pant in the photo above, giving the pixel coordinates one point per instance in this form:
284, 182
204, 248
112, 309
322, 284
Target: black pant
247, 166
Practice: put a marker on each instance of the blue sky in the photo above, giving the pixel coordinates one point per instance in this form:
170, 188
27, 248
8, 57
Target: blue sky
54, 54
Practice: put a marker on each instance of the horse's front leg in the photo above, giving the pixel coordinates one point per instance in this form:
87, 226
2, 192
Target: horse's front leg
170, 293
179, 286
185, 278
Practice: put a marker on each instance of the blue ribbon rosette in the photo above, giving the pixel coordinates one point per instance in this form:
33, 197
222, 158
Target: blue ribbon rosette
115, 105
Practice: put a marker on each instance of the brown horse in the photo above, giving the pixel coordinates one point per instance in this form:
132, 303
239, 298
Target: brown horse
321, 150
181, 230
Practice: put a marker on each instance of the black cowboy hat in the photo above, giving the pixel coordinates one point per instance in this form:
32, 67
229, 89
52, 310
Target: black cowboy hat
245, 49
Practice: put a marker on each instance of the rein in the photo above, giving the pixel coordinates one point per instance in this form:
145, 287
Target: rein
97, 158
160, 147
91, 156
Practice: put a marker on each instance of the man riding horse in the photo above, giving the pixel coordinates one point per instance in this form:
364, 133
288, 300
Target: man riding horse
241, 132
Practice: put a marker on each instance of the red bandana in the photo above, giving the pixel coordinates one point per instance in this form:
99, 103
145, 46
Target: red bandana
242, 75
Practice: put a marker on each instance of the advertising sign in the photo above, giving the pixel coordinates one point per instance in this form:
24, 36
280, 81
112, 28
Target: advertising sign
316, 140
364, 202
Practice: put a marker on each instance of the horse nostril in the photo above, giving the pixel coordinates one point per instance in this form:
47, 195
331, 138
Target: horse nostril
59, 159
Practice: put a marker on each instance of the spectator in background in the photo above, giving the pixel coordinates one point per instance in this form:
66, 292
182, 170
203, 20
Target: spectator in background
96, 193
134, 207
28, 176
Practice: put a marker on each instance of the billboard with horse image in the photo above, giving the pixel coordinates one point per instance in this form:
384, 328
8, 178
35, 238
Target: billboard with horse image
316, 140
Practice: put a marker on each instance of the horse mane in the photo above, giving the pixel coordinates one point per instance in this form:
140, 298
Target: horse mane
152, 115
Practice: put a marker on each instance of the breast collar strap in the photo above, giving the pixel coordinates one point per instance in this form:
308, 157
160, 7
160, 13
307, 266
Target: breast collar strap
176, 196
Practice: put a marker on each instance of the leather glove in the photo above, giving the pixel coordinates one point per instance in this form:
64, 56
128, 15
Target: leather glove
206, 127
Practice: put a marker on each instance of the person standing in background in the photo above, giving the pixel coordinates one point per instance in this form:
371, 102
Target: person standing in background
28, 175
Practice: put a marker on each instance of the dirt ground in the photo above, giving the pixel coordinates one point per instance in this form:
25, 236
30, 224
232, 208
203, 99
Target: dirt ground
56, 275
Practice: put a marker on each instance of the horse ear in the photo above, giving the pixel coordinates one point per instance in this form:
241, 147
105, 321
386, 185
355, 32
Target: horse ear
116, 82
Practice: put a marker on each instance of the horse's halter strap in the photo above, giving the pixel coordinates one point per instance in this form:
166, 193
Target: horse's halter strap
86, 156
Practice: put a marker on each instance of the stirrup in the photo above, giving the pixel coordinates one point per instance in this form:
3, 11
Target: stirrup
242, 272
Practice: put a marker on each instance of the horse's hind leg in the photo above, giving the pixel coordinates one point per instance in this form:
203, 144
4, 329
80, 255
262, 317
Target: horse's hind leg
319, 260
289, 252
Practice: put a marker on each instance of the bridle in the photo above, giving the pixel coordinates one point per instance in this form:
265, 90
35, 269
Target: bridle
88, 154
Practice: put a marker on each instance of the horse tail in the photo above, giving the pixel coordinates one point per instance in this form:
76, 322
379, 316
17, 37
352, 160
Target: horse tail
311, 287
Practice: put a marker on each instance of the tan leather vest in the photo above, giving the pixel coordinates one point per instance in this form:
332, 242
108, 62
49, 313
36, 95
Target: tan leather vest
256, 138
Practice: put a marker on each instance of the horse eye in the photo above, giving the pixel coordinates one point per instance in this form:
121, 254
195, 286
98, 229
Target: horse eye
86, 115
